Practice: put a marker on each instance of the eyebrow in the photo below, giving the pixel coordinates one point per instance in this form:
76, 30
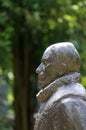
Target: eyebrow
44, 59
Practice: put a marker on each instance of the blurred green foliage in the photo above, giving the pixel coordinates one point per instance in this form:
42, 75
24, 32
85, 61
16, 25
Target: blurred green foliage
48, 22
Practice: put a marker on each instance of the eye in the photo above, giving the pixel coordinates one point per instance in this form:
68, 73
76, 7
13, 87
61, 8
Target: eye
45, 62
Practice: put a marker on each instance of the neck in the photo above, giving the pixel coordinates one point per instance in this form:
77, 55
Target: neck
45, 93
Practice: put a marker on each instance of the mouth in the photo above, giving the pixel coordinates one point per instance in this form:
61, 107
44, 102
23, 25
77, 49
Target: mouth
40, 78
42, 81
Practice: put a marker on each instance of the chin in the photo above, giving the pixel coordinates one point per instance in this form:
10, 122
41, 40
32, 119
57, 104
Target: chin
40, 84
43, 84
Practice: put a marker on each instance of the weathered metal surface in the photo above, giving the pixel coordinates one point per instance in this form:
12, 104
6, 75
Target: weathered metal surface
62, 97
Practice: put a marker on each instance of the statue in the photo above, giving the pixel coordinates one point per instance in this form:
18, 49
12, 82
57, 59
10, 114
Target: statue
62, 97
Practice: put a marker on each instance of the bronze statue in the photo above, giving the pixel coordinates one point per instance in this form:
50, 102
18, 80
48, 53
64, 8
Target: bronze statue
62, 97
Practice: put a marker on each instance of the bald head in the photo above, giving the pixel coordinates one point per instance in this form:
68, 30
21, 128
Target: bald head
66, 53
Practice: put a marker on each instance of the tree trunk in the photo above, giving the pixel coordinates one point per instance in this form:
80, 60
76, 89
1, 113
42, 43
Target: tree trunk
22, 101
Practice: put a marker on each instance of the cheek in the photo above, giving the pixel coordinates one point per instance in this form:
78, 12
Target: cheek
49, 69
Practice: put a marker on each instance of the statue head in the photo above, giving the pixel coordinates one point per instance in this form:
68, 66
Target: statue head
58, 59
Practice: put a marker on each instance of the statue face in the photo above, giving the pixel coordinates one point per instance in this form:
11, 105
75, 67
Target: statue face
47, 70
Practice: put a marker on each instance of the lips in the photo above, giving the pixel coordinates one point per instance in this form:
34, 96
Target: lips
41, 77
41, 81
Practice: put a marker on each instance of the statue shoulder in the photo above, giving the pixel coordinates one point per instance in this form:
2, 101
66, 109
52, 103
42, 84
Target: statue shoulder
67, 113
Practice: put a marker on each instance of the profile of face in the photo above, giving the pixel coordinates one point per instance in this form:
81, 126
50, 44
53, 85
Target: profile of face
55, 61
46, 69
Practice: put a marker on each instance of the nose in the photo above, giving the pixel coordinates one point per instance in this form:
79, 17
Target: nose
38, 70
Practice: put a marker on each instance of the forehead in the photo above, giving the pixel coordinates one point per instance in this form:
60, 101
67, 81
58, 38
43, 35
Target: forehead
56, 49
48, 55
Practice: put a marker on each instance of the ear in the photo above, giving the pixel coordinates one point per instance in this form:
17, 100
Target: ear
62, 68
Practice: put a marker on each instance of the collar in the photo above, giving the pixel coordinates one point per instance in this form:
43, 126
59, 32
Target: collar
44, 94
